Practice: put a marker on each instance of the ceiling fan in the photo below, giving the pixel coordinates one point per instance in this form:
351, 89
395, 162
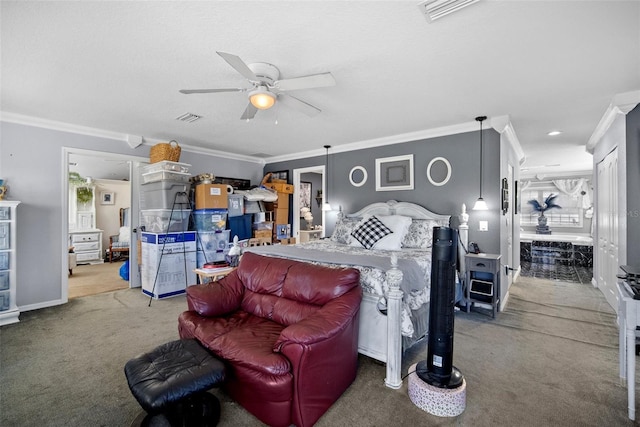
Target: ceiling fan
266, 88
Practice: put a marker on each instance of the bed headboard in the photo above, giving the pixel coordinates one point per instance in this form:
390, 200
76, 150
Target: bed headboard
393, 207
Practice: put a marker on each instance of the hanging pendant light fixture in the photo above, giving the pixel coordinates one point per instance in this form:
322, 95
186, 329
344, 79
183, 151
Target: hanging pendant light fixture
480, 205
326, 206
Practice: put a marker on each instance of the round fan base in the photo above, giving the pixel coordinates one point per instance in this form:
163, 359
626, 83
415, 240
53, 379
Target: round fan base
266, 72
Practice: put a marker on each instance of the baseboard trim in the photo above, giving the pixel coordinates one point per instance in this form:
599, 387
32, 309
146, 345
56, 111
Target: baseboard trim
44, 304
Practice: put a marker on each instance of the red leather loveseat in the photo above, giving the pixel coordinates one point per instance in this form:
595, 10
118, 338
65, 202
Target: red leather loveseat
287, 331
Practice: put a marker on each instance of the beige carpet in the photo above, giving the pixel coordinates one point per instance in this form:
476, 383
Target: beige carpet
95, 279
550, 359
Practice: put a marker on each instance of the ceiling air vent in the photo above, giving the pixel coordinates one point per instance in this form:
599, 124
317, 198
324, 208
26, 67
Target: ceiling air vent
188, 117
435, 9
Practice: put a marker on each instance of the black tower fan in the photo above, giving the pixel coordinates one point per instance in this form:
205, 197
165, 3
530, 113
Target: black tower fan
438, 369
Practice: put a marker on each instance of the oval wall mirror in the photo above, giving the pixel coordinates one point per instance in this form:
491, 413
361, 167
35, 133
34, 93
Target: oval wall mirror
445, 172
358, 176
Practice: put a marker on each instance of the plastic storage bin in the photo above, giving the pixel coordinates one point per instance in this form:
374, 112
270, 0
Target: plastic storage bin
165, 176
157, 220
162, 195
210, 219
166, 165
213, 240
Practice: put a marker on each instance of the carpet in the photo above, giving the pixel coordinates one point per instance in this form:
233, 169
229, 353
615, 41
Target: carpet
550, 358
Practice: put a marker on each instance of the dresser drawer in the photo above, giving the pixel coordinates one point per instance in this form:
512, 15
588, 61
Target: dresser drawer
86, 246
88, 256
88, 237
488, 265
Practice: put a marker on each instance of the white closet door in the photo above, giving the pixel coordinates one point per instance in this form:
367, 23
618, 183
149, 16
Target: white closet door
607, 221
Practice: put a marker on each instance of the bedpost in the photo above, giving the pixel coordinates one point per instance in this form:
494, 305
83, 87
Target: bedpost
394, 321
463, 242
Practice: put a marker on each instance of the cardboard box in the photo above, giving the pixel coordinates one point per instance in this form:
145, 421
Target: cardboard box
280, 187
281, 216
288, 241
283, 201
168, 260
262, 234
211, 196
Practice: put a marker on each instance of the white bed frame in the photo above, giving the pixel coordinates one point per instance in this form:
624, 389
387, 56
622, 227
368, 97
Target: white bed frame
380, 335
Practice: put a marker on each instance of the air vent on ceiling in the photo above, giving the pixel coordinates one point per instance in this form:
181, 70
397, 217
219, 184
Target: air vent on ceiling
435, 9
188, 117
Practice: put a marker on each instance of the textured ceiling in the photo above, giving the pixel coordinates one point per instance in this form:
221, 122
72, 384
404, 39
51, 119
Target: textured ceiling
118, 66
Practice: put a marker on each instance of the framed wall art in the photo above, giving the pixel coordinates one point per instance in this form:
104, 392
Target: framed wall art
394, 173
108, 198
305, 195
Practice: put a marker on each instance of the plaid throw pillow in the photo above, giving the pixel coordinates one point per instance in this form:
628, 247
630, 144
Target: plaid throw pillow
370, 231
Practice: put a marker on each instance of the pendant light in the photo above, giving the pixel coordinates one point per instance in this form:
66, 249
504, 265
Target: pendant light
480, 205
326, 206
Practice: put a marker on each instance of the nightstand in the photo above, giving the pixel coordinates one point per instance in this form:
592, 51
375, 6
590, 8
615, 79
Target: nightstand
309, 235
483, 280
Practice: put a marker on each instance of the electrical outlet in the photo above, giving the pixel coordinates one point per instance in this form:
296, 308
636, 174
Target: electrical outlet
483, 226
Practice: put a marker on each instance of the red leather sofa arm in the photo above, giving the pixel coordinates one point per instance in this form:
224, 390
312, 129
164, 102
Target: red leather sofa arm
321, 374
216, 298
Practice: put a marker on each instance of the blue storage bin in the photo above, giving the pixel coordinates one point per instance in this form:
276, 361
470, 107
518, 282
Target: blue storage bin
210, 219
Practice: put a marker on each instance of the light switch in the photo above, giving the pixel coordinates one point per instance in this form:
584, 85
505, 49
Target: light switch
483, 226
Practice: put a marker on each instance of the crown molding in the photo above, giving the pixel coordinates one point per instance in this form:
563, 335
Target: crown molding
622, 103
124, 137
503, 125
379, 142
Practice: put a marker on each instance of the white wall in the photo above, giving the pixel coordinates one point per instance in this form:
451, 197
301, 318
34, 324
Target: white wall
108, 216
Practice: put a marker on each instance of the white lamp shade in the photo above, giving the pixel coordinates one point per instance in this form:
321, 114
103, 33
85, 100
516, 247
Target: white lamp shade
480, 205
326, 206
262, 99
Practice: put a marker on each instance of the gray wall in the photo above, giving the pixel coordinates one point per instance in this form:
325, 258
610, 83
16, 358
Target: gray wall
462, 151
633, 193
31, 162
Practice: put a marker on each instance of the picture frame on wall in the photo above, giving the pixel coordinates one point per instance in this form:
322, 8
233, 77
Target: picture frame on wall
107, 198
394, 173
304, 195
283, 175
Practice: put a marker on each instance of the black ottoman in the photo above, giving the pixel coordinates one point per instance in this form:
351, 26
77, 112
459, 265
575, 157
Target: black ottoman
170, 383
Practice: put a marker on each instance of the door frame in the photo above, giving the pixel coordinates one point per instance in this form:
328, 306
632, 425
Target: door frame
134, 161
295, 212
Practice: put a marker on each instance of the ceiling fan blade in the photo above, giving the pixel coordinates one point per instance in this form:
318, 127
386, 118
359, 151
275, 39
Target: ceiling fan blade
239, 65
249, 112
299, 104
306, 82
190, 91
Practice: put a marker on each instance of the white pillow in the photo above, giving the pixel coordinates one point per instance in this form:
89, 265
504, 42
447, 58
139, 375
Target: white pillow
123, 237
400, 226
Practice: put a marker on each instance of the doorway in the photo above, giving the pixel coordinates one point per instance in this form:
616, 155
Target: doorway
316, 203
114, 186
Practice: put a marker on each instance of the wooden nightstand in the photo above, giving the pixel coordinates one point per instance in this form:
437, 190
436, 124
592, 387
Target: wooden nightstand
483, 280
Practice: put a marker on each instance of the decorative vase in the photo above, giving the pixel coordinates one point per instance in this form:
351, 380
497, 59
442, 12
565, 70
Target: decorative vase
542, 220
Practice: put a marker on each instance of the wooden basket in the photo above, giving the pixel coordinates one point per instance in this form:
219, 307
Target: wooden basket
165, 151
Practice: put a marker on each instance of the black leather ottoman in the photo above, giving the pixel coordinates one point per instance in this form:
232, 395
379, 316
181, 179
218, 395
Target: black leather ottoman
170, 383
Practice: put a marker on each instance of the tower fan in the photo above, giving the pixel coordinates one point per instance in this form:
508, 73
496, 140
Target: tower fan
438, 369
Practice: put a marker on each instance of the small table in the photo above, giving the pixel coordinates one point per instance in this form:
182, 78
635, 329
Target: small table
309, 235
212, 276
485, 290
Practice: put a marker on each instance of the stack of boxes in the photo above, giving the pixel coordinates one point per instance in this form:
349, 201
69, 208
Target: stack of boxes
280, 208
168, 250
210, 218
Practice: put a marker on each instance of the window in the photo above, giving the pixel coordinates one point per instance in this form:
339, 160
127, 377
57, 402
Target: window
571, 214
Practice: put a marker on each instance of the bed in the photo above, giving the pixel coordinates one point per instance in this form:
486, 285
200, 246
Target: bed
395, 274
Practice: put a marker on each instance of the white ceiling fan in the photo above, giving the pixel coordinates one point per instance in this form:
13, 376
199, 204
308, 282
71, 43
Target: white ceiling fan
266, 88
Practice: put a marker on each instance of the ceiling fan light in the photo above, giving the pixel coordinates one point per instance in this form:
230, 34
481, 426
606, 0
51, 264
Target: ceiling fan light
262, 99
